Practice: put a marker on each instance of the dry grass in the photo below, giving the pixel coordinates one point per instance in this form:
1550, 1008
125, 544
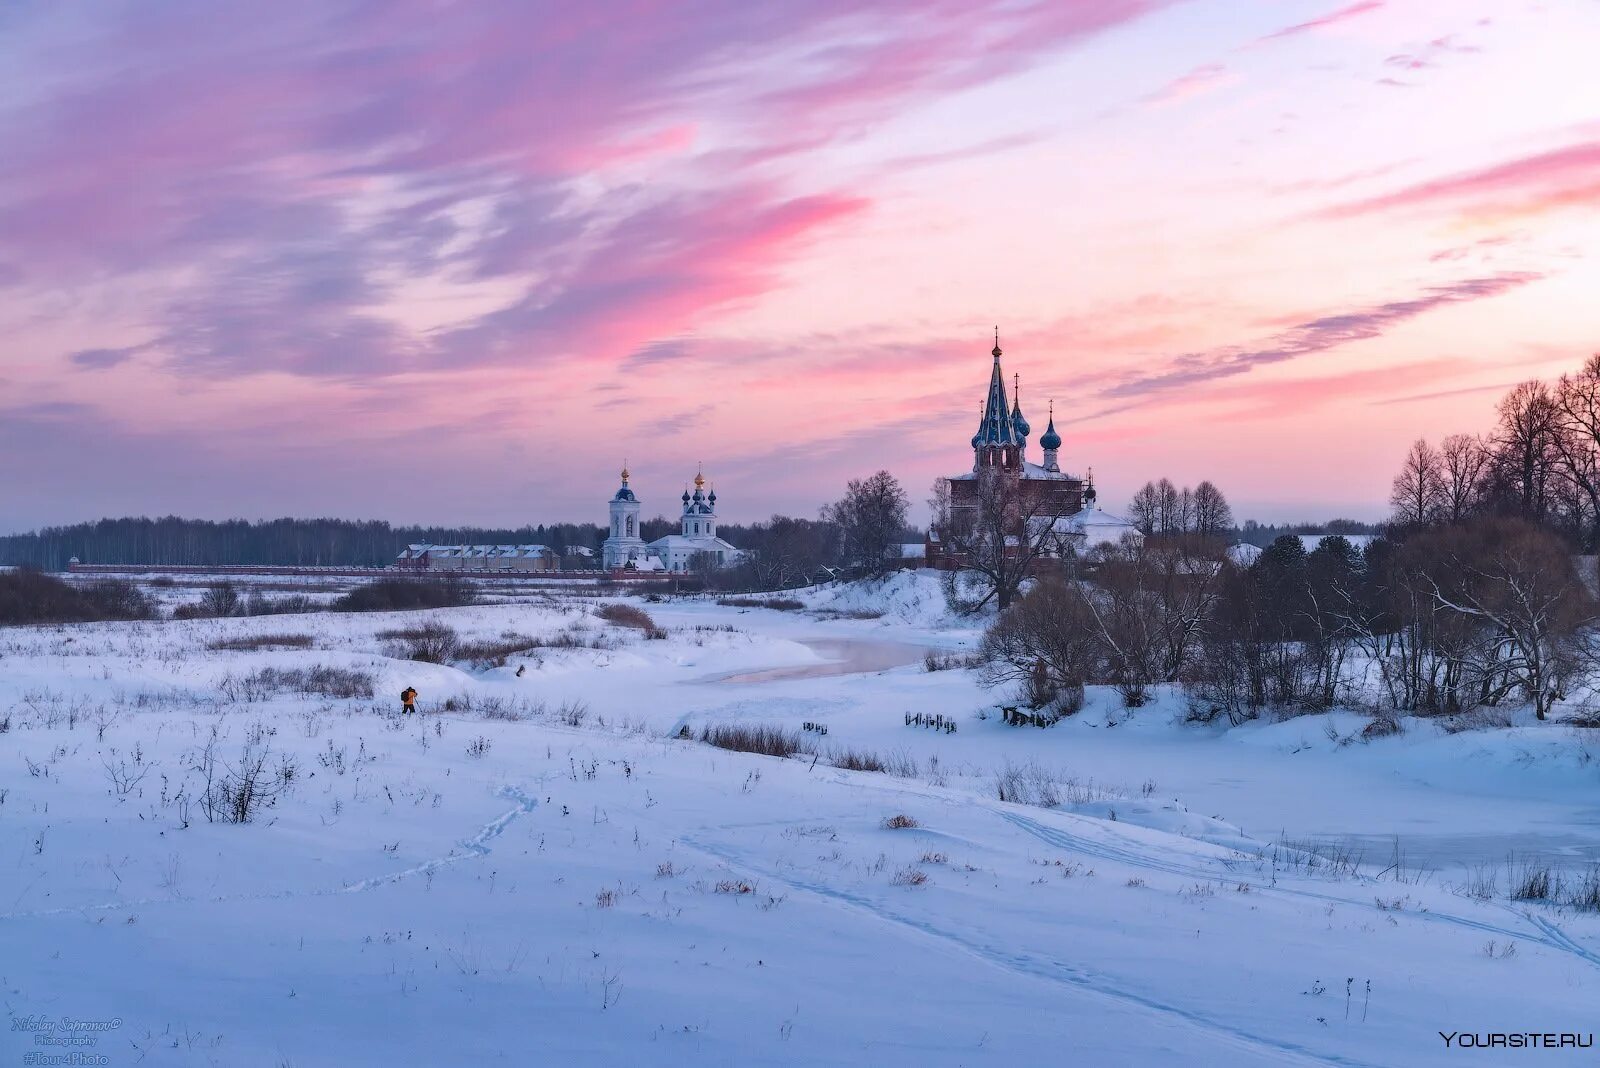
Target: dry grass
257, 642
626, 615
909, 877
900, 823
781, 604
766, 739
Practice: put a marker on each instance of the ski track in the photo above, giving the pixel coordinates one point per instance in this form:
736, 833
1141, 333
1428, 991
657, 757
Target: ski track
469, 849
1040, 967
1548, 933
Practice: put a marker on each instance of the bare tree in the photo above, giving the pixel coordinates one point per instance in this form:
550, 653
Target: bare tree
1577, 444
1144, 509
871, 518
1526, 447
1514, 585
1418, 489
789, 551
1045, 643
1212, 515
998, 533
1167, 507
1463, 459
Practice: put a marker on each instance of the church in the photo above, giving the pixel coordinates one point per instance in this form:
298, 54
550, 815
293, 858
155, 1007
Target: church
696, 545
1067, 502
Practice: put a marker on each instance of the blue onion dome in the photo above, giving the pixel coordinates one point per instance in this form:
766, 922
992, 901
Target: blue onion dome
1019, 424
712, 496
624, 494
686, 496
1051, 439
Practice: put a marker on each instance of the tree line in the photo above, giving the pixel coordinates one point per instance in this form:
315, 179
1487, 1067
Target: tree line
861, 531
276, 542
1441, 621
1539, 462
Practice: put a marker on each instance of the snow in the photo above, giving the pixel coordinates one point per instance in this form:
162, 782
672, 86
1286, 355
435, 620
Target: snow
596, 890
911, 596
1244, 554
1358, 541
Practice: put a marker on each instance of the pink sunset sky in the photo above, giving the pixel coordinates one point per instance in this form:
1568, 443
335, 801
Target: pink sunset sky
452, 263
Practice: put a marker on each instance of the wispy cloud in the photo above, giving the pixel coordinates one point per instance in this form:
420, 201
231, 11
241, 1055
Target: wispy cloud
291, 168
1200, 80
1332, 18
1562, 177
100, 359
1311, 337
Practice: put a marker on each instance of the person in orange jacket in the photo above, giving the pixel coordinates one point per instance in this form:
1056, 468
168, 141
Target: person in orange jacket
408, 699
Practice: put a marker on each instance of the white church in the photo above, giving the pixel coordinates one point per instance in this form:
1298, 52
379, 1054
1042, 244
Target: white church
695, 546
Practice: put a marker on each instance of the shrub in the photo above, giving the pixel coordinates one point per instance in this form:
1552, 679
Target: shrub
1032, 784
256, 642
767, 740
909, 877
899, 764
626, 615
900, 823
259, 605
403, 594
221, 600
434, 643
494, 653
1585, 894
1533, 881
851, 760
236, 794
1382, 726
936, 661
322, 680
781, 604
29, 596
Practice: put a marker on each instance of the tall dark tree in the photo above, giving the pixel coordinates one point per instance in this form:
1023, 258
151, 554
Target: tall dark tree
999, 533
871, 521
1418, 491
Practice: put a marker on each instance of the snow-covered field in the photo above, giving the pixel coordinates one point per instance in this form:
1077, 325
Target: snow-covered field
539, 869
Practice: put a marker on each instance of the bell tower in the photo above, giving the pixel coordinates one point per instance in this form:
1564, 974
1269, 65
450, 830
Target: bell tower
624, 544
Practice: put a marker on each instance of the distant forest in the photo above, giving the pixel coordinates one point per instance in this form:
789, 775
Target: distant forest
289, 542
372, 543
303, 542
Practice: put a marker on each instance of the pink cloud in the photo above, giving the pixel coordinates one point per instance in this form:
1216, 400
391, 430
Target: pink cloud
299, 163
1541, 182
1332, 18
1310, 337
1200, 80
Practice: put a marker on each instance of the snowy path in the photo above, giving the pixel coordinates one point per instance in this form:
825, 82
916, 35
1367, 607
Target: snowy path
473, 848
1013, 959
1544, 931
